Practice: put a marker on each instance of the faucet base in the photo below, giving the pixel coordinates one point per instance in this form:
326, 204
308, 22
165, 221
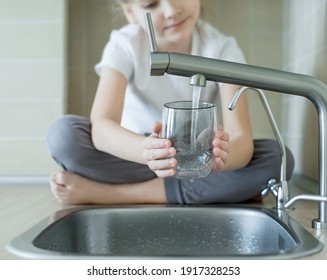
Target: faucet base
316, 224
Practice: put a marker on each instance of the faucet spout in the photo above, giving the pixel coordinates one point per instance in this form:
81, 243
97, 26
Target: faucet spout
283, 193
198, 80
272, 121
255, 77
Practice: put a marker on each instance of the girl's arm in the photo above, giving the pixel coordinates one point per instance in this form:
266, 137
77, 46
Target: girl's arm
107, 134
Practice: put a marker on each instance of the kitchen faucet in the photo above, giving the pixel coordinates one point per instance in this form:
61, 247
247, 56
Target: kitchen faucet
254, 77
280, 188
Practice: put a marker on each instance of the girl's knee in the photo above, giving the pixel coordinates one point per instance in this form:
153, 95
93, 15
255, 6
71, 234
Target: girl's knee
62, 135
59, 126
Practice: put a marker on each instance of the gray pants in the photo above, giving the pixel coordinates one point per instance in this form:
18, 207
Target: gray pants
70, 144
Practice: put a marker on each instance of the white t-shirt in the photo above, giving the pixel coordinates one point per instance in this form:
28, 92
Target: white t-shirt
128, 51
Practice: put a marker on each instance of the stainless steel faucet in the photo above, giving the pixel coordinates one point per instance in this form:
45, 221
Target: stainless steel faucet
278, 188
254, 77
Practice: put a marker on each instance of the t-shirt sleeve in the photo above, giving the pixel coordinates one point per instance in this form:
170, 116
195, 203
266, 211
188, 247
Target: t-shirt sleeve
232, 52
208, 41
117, 55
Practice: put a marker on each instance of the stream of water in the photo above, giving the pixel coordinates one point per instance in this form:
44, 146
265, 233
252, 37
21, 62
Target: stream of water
195, 113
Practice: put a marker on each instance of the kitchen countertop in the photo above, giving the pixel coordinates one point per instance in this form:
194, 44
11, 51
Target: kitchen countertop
23, 206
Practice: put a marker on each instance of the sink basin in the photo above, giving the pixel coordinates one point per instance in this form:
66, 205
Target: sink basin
233, 232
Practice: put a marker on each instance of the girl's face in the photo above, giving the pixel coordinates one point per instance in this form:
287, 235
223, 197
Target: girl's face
173, 20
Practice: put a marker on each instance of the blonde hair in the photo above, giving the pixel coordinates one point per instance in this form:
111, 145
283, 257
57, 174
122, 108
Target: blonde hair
117, 14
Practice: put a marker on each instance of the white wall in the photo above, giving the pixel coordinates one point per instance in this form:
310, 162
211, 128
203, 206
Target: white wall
304, 52
32, 82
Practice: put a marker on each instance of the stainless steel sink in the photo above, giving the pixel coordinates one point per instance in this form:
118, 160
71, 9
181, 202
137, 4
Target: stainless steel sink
167, 232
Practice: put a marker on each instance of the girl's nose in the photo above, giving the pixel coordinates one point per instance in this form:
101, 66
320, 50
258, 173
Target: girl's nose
171, 8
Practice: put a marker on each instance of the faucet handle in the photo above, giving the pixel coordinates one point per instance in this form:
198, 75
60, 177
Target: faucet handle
271, 185
152, 37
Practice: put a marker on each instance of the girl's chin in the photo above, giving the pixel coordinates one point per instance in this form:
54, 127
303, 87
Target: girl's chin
177, 38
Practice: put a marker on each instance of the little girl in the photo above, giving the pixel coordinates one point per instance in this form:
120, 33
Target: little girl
107, 159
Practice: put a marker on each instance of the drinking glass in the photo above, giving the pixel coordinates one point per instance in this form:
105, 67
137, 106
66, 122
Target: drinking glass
191, 131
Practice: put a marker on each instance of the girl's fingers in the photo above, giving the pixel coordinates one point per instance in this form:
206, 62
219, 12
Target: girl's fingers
222, 135
157, 154
221, 148
221, 145
162, 165
156, 129
155, 143
163, 168
220, 154
165, 173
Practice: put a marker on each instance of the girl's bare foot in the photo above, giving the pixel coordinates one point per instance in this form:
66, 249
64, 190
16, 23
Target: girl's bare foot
70, 188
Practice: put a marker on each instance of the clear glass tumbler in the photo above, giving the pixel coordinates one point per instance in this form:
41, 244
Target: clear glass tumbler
191, 131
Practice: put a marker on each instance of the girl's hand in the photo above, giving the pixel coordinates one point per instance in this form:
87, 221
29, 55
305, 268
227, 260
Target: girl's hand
159, 153
220, 148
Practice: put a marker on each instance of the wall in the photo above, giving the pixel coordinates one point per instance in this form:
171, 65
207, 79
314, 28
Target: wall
32, 83
304, 52
89, 26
